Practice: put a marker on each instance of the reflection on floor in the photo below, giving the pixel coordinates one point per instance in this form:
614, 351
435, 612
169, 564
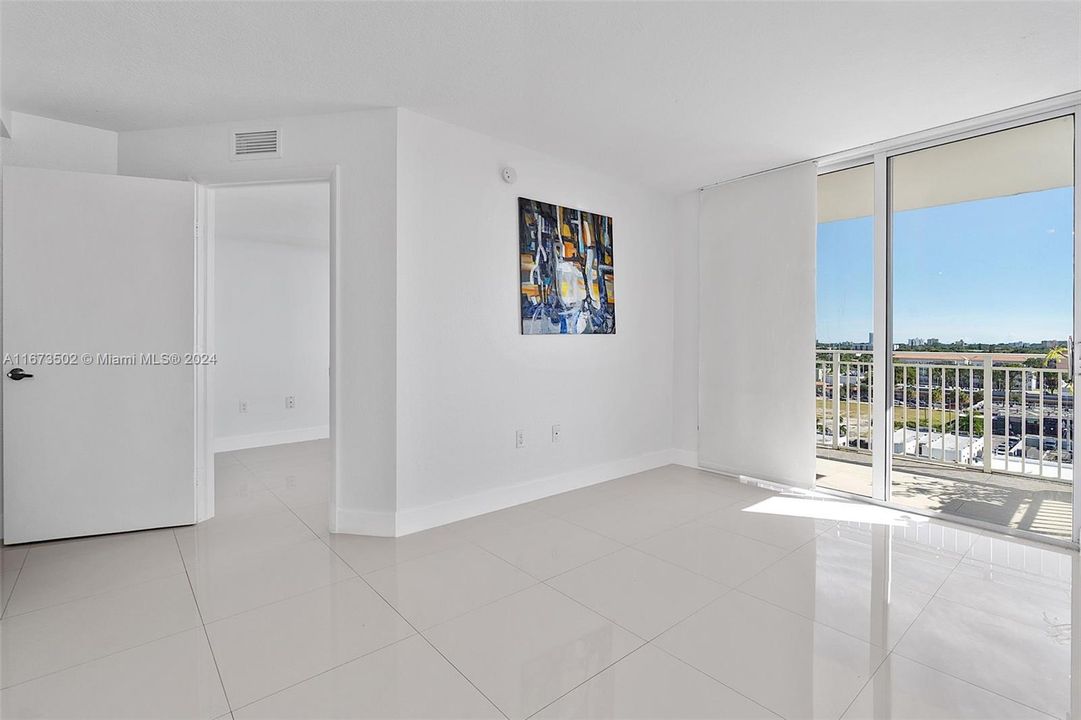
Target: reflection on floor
671, 593
1025, 503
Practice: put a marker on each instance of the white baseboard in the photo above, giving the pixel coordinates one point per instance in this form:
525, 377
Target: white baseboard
687, 458
411, 520
360, 522
415, 519
756, 479
280, 437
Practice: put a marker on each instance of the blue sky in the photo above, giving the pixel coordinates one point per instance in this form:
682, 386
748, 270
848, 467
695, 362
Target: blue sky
995, 270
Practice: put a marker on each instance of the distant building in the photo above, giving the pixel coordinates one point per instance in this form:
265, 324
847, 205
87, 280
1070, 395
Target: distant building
944, 447
916, 342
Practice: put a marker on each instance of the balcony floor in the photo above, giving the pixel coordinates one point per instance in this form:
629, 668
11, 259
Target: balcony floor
1025, 503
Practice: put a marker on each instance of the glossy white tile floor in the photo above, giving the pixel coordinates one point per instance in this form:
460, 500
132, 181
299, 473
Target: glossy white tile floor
668, 594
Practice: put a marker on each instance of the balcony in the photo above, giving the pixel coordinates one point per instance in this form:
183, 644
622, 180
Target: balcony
987, 436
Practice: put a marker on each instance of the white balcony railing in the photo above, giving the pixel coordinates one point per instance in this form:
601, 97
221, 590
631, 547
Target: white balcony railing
941, 413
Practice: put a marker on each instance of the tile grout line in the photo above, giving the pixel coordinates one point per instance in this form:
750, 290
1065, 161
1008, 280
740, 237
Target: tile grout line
395, 611
82, 598
870, 677
121, 650
980, 687
18, 574
431, 644
357, 576
292, 595
199, 610
892, 651
535, 583
579, 566
650, 641
932, 598
598, 613
746, 580
323, 672
738, 588
888, 650
203, 624
602, 670
101, 657
945, 672
711, 677
545, 581
464, 676
720, 582
726, 588
287, 598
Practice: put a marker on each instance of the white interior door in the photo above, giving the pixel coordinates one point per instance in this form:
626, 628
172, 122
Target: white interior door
97, 267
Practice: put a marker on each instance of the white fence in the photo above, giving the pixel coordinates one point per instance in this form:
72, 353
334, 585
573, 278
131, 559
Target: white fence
941, 412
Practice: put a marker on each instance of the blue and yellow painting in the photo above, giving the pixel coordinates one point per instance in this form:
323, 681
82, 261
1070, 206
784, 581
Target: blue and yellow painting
568, 284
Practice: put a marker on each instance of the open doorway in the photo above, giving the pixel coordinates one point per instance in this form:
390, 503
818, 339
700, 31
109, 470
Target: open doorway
270, 326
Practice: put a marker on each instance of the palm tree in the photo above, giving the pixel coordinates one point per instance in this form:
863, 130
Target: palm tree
1056, 356
1059, 358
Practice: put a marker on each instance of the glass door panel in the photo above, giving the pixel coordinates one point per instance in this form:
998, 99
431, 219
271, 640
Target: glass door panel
844, 316
982, 299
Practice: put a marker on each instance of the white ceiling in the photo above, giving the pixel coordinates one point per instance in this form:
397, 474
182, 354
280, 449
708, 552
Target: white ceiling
675, 95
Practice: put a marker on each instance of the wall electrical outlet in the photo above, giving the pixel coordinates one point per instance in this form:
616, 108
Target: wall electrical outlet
555, 433
243, 406
519, 439
290, 402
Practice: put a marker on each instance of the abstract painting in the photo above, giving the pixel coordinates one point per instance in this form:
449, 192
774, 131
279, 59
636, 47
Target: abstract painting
568, 284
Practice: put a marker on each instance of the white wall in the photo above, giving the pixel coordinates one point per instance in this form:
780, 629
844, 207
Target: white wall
685, 329
272, 313
46, 143
467, 378
435, 376
757, 326
363, 146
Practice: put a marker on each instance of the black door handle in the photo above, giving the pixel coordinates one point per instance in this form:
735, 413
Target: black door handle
18, 374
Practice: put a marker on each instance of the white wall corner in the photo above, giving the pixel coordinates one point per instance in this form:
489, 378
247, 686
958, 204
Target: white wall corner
349, 521
686, 458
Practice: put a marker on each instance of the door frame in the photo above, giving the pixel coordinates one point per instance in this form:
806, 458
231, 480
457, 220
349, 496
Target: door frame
204, 341
880, 155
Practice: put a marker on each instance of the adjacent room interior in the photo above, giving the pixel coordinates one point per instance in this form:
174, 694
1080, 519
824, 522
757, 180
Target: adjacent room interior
270, 379
531, 360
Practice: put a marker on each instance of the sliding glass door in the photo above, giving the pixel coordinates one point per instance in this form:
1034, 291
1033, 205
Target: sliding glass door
959, 254
844, 334
983, 279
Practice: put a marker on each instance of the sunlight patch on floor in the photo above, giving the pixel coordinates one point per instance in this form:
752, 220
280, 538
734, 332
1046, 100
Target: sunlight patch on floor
820, 509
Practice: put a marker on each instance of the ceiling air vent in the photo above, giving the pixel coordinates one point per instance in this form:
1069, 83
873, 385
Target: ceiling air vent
251, 144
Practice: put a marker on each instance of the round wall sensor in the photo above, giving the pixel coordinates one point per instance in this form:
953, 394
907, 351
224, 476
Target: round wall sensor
509, 175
